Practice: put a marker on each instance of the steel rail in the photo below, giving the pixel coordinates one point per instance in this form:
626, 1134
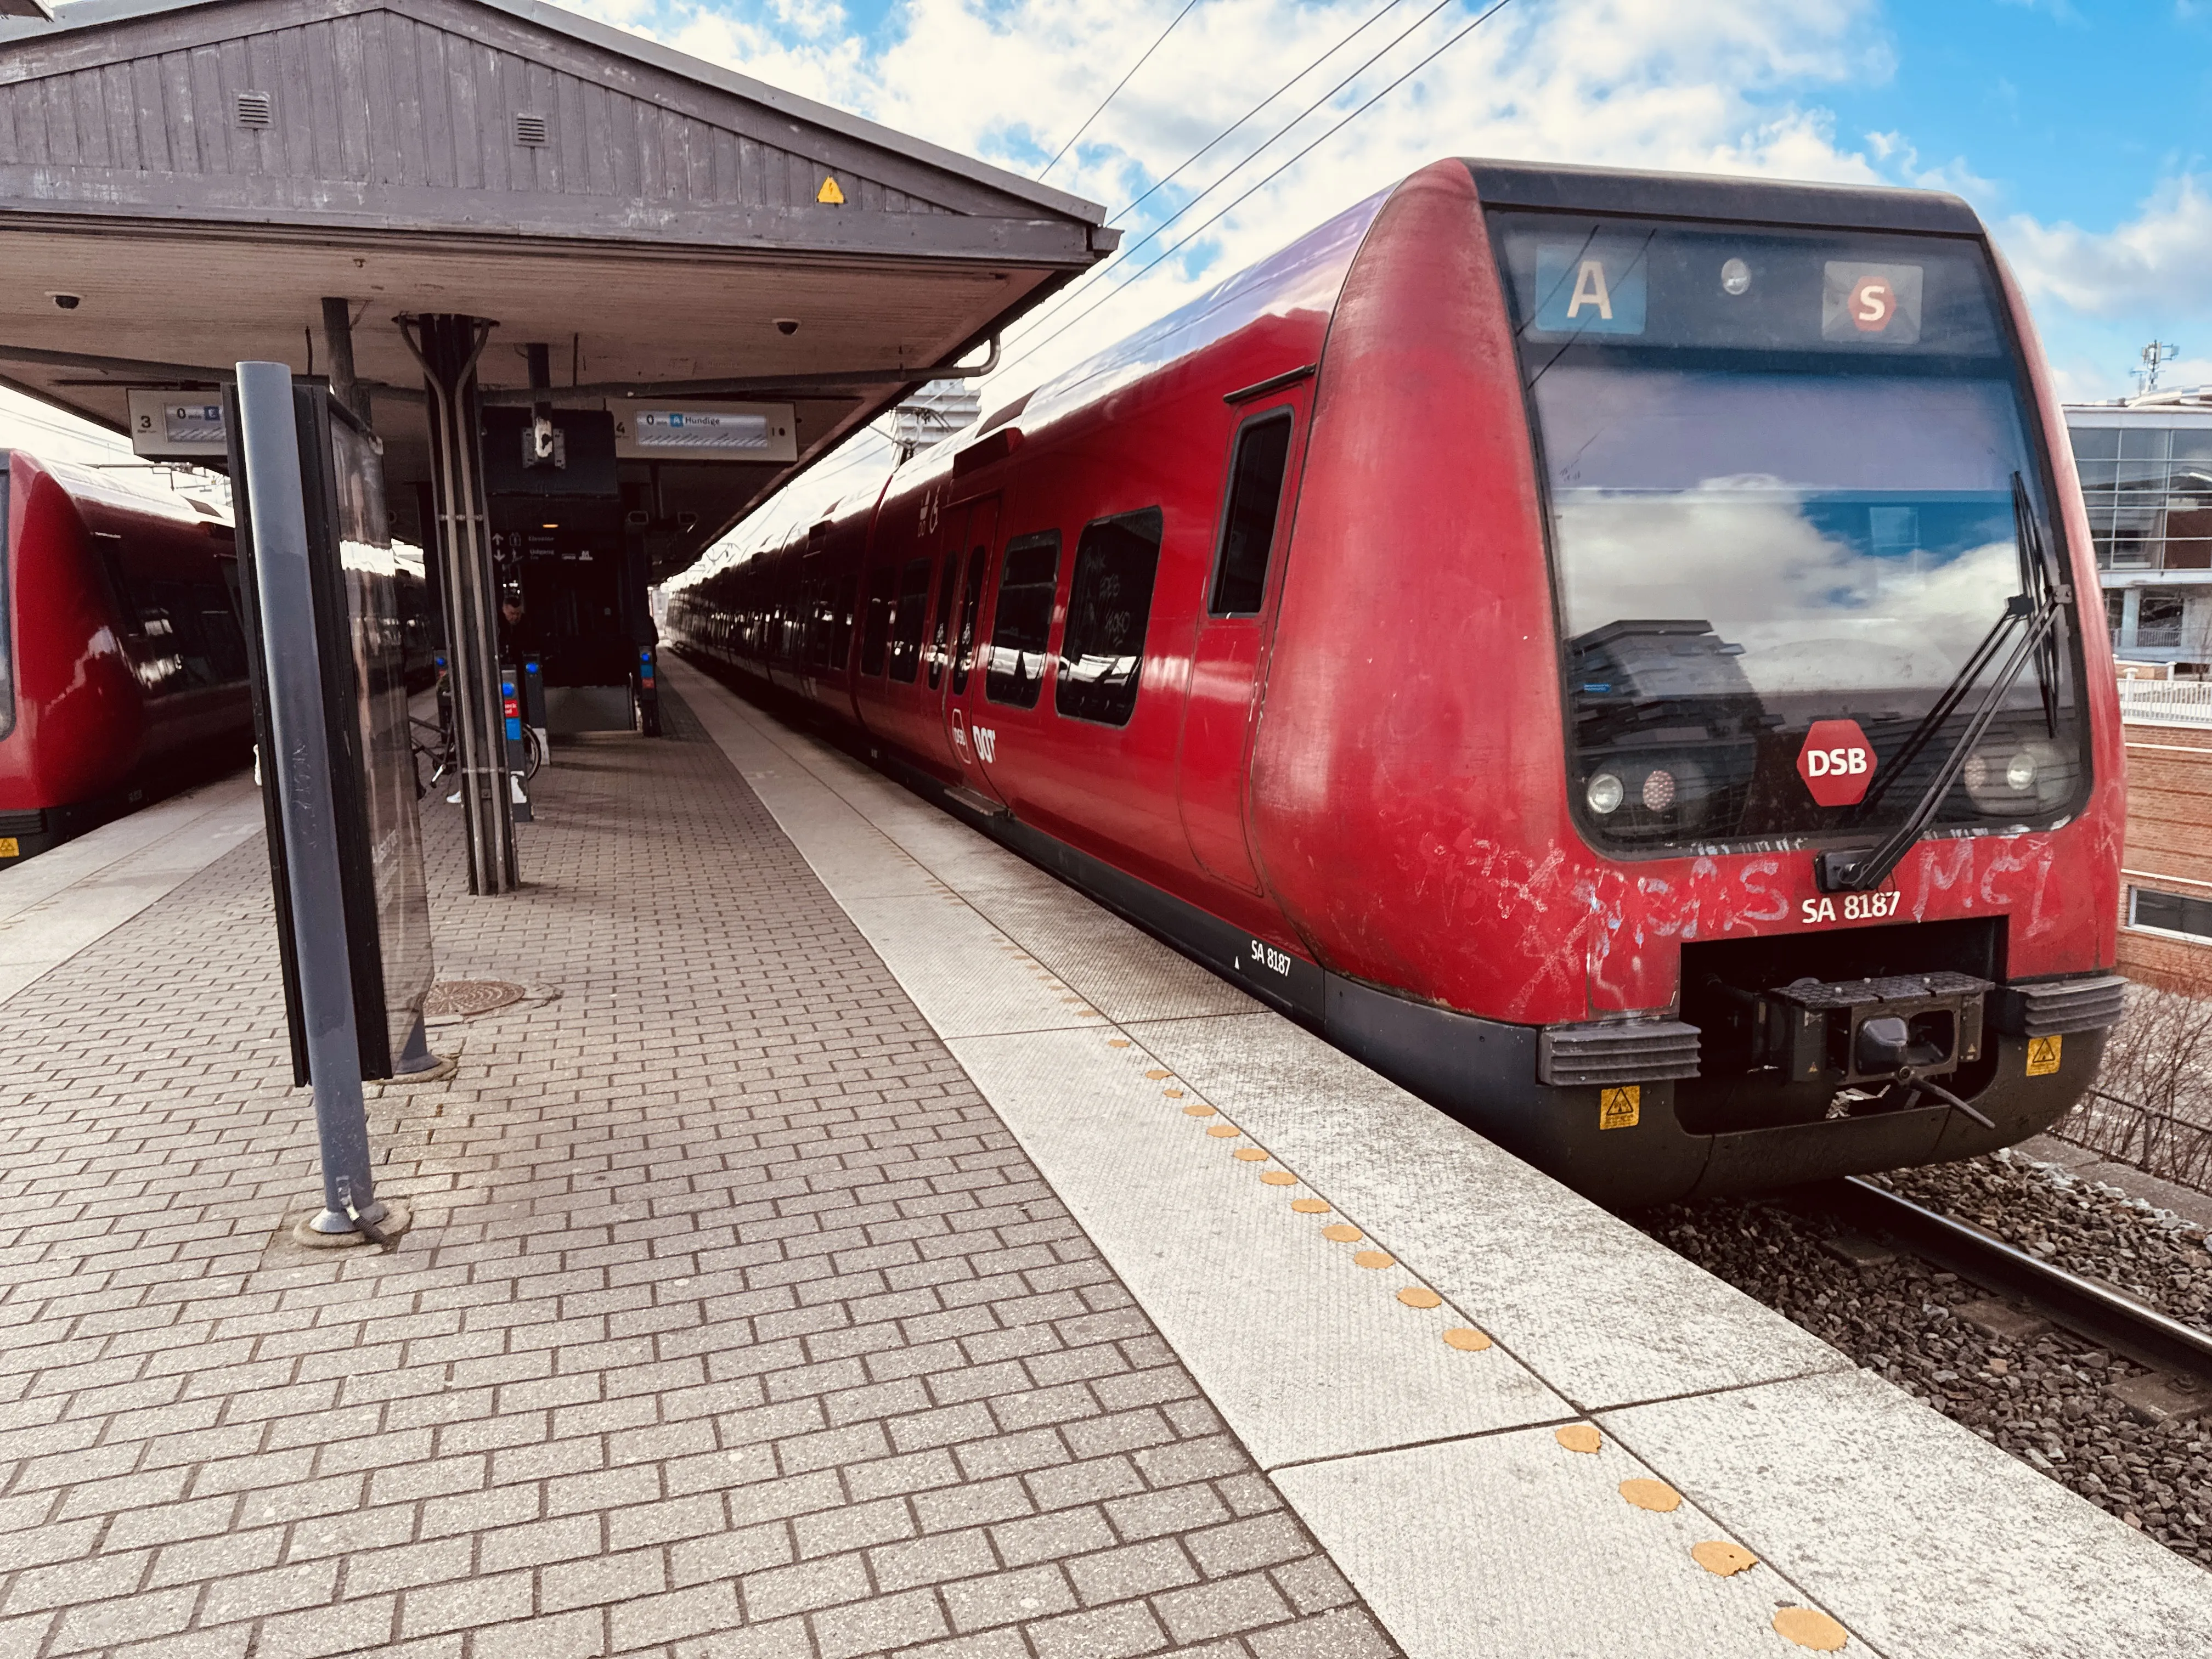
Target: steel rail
2110, 1318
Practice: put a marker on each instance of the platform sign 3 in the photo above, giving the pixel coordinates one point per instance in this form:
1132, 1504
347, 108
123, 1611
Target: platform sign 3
2043, 1055
1620, 1107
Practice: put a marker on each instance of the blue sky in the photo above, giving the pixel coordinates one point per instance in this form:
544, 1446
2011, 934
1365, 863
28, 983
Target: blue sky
2078, 128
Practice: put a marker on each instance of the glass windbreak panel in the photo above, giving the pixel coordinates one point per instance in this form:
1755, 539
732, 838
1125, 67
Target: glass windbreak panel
2095, 443
1021, 620
911, 618
1786, 472
1248, 531
1109, 603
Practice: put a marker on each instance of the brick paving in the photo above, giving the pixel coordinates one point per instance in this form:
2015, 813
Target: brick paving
733, 1323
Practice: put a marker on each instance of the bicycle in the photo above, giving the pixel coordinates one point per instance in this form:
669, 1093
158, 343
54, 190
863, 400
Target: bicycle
444, 757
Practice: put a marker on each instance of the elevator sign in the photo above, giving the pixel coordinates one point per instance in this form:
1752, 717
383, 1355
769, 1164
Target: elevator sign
1836, 763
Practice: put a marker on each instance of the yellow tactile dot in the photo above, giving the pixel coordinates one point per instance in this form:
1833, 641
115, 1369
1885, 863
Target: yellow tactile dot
1278, 1178
1117, 1042
1579, 1438
1808, 1627
1466, 1339
1156, 1075
1172, 1094
1724, 1558
1250, 1154
1375, 1258
1652, 1495
1419, 1296
1198, 1111
1310, 1205
1223, 1131
1343, 1232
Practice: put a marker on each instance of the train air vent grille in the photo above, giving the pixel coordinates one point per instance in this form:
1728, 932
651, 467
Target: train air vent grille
1623, 1051
22, 823
529, 129
255, 109
2060, 1007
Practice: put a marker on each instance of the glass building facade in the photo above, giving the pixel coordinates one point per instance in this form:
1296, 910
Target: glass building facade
2147, 481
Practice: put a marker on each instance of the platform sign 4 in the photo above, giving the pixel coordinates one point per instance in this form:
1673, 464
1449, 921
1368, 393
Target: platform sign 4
1836, 763
2043, 1055
1620, 1107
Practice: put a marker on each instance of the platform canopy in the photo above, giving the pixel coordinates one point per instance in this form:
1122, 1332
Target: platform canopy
199, 175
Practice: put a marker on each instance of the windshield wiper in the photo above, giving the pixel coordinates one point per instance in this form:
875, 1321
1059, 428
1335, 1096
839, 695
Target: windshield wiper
2040, 605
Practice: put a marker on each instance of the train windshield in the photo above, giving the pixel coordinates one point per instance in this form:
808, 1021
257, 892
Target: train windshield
1792, 483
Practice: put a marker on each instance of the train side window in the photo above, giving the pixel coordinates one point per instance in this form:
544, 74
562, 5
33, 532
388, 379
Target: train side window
971, 601
1029, 575
1248, 528
1110, 602
908, 621
940, 635
220, 632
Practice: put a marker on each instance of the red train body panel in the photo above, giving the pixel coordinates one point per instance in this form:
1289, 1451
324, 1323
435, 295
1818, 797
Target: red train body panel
122, 664
1377, 771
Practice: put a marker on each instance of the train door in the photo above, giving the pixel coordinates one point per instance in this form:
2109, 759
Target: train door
970, 529
1228, 656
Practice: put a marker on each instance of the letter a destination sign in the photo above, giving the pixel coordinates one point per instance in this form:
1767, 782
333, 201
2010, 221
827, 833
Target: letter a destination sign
1836, 763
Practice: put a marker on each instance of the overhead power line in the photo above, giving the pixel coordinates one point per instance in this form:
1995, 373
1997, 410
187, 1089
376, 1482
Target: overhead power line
1122, 256
1188, 6
1199, 153
1169, 253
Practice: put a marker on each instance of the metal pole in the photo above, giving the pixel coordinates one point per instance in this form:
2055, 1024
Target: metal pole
301, 772
337, 337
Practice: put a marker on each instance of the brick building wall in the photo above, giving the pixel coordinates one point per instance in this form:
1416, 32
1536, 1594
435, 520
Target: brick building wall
2169, 855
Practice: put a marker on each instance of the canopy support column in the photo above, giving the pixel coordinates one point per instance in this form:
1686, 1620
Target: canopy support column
447, 348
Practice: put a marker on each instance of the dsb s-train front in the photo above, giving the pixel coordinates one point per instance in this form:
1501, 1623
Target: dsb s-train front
1681, 747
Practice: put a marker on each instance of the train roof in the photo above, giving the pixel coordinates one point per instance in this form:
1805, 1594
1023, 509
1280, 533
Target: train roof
1713, 196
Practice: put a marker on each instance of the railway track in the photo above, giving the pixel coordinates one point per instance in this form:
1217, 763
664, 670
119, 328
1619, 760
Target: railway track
2109, 1317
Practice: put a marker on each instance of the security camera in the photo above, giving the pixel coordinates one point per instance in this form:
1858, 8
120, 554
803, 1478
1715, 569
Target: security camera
71, 302
786, 324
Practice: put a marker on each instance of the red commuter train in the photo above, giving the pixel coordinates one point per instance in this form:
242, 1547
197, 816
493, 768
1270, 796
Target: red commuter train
1603, 648
123, 666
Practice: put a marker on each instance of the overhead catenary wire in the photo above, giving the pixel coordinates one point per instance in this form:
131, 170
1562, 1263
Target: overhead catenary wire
1169, 253
1084, 288
1189, 7
1199, 154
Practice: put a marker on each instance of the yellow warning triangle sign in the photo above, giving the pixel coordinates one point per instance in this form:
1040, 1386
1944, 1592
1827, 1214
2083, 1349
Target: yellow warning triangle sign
829, 194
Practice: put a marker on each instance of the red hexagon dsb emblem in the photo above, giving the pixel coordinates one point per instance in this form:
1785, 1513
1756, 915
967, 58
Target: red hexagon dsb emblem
1836, 763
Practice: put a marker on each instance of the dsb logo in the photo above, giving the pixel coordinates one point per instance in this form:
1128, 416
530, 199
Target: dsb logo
1836, 763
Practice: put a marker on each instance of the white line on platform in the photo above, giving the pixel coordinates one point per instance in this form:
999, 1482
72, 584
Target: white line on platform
1432, 1475
53, 906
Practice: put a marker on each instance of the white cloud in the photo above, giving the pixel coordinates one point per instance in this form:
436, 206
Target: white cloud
2158, 263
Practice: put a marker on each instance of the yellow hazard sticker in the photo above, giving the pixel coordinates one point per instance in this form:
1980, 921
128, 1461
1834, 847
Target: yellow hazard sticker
829, 195
10, 848
1618, 1109
2043, 1055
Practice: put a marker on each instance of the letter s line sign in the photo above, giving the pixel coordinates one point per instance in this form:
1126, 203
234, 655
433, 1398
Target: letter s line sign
1836, 763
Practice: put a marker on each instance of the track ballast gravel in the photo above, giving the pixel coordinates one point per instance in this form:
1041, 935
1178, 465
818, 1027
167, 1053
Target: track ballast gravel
2043, 1399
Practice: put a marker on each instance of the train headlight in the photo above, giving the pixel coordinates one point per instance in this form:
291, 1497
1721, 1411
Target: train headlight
1605, 793
1735, 276
2021, 779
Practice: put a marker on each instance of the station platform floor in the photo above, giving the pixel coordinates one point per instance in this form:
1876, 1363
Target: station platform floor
857, 1244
